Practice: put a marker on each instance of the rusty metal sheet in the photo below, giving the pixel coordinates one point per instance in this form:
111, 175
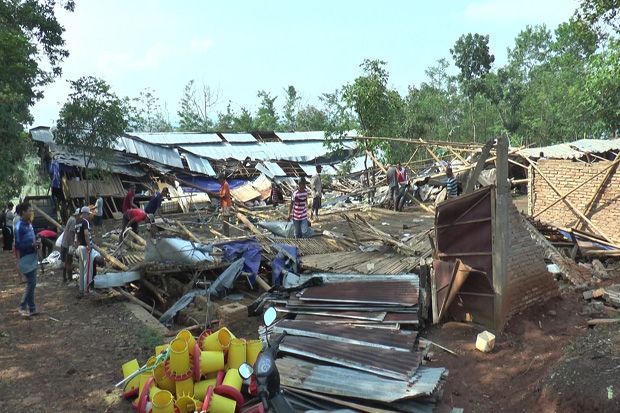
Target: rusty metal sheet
339, 381
401, 318
394, 340
387, 363
380, 292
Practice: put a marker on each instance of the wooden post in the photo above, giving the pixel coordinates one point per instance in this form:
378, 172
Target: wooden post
47, 217
570, 204
135, 237
376, 161
501, 231
597, 193
115, 263
187, 232
473, 177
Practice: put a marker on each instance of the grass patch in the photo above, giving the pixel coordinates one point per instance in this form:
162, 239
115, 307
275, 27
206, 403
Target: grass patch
149, 338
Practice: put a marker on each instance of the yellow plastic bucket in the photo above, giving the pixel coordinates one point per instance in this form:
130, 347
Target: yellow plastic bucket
211, 361
144, 377
252, 350
179, 356
233, 379
218, 341
163, 402
200, 388
154, 389
186, 404
236, 353
189, 339
162, 380
185, 387
161, 348
221, 404
129, 368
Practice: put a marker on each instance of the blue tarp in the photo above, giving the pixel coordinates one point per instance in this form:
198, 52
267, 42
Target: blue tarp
283, 261
248, 249
210, 184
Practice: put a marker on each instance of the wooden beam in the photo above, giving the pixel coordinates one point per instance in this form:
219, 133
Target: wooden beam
376, 161
597, 193
187, 231
501, 231
47, 217
570, 204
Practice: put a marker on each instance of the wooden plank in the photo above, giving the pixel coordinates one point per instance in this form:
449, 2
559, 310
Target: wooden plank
501, 231
484, 155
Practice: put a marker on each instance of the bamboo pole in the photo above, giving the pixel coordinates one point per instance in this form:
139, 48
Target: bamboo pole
570, 204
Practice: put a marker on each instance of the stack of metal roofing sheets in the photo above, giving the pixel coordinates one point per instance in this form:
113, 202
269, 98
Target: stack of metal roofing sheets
344, 347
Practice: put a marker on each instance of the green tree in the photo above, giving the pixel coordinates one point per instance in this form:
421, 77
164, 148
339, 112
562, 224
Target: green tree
226, 120
31, 51
311, 118
196, 106
244, 122
599, 14
145, 114
473, 59
266, 116
602, 87
291, 107
90, 121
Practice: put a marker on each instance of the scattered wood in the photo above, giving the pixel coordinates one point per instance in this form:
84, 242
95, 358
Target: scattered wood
599, 321
141, 303
590, 294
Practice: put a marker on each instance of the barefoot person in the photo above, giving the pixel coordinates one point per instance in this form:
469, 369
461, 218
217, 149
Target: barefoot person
26, 246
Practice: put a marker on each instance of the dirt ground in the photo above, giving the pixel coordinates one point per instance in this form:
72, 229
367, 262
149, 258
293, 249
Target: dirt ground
68, 358
546, 360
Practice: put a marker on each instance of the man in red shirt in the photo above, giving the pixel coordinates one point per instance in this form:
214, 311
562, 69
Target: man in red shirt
132, 218
128, 201
225, 203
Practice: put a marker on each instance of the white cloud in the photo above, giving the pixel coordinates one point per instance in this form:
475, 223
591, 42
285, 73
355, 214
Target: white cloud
524, 11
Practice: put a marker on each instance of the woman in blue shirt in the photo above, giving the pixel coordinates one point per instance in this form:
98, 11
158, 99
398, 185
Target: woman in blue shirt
26, 245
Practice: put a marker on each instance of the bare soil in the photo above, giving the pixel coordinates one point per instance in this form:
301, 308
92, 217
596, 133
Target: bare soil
68, 357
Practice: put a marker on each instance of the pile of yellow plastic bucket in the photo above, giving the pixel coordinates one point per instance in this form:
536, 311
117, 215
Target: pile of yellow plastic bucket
200, 374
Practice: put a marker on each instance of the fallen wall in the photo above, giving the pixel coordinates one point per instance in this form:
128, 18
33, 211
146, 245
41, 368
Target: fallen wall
529, 282
566, 175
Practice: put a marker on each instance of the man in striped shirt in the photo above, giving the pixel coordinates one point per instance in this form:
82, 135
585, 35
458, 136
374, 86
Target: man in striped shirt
298, 210
452, 186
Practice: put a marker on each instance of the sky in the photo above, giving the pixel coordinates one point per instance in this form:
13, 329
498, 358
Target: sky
238, 47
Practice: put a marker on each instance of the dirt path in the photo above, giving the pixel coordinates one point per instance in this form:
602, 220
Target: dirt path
69, 365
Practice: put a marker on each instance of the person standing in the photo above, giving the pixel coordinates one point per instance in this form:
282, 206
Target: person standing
298, 210
316, 186
98, 211
152, 207
84, 249
403, 186
128, 201
68, 241
277, 197
225, 203
26, 246
392, 181
452, 185
7, 227
57, 194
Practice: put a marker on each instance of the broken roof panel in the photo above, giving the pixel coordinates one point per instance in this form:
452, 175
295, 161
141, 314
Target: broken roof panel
160, 154
369, 292
177, 138
42, 134
570, 150
199, 164
239, 137
341, 381
270, 169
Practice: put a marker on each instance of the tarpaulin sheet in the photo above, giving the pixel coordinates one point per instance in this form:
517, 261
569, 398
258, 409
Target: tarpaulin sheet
209, 184
283, 261
178, 251
248, 249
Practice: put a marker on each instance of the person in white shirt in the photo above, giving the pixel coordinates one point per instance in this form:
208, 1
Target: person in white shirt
316, 186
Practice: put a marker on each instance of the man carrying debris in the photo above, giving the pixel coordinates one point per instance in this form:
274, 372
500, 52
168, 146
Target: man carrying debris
452, 186
225, 203
152, 207
128, 201
392, 181
68, 240
316, 186
132, 218
298, 210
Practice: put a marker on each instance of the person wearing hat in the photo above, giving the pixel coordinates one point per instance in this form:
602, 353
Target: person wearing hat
316, 186
298, 210
225, 203
68, 240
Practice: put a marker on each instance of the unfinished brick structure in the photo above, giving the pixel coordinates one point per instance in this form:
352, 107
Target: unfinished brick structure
565, 175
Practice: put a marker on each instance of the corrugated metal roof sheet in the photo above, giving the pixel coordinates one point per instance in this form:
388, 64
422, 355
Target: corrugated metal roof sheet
163, 155
239, 137
364, 292
177, 138
42, 134
570, 150
301, 136
388, 363
199, 164
270, 169
341, 381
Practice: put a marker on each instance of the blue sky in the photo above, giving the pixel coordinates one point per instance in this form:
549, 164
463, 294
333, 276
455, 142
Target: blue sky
238, 47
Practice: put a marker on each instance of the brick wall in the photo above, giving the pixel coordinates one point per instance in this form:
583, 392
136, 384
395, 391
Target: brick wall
529, 281
566, 175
